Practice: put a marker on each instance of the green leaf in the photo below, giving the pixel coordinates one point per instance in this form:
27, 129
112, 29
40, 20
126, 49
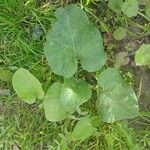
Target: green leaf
142, 55
62, 99
117, 100
54, 110
130, 8
5, 75
27, 87
72, 38
83, 129
119, 33
121, 59
147, 9
115, 5
74, 94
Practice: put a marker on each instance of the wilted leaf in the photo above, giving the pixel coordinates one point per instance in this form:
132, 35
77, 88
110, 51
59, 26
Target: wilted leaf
74, 93
119, 33
27, 87
15, 147
142, 55
5, 92
130, 8
115, 5
36, 32
72, 38
54, 110
117, 100
83, 129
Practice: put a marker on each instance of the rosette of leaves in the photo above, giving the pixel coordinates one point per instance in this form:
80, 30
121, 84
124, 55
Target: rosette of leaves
72, 40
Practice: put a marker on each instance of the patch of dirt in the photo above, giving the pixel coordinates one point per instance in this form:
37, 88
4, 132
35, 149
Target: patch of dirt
142, 87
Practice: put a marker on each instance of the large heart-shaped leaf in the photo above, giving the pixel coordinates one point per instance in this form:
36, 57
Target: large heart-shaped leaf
117, 100
130, 8
54, 110
74, 94
72, 38
83, 129
142, 55
27, 87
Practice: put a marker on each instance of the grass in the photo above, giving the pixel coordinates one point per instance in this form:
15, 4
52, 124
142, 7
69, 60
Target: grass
23, 26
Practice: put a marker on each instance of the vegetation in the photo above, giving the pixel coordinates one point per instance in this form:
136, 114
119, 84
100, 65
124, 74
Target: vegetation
74, 74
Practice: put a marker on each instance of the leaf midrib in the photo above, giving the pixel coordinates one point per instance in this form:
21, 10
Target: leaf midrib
70, 30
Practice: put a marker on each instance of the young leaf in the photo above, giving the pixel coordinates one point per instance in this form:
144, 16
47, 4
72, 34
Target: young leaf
121, 59
119, 33
142, 55
73, 37
147, 9
130, 8
117, 100
27, 87
74, 94
83, 129
54, 110
115, 5
5, 75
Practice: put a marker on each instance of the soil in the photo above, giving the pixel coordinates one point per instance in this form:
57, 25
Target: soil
142, 87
